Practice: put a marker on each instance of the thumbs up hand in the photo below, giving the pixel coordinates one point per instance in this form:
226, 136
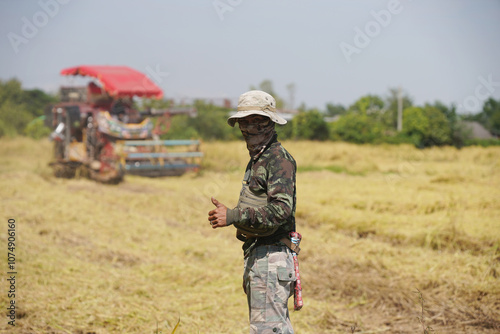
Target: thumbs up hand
217, 216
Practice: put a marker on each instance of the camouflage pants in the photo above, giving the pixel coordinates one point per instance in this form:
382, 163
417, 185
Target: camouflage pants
268, 282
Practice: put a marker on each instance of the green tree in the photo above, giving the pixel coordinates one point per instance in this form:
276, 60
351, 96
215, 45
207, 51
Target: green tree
310, 125
426, 126
373, 107
415, 124
36, 128
11, 91
155, 104
18, 107
335, 109
13, 118
458, 133
491, 112
36, 101
367, 104
439, 129
357, 128
488, 117
285, 131
13, 113
211, 122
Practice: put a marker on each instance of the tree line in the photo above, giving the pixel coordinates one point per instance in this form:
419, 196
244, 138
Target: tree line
21, 110
369, 120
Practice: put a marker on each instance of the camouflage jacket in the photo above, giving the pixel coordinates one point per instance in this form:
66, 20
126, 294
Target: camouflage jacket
274, 173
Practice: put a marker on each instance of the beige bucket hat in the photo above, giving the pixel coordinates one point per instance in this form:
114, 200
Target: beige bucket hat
256, 102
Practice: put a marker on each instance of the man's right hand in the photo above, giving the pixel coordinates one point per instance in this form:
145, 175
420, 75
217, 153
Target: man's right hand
217, 216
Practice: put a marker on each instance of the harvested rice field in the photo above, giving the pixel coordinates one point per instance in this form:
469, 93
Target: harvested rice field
395, 240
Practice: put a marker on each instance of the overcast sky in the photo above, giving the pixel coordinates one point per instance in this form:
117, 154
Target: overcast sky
333, 51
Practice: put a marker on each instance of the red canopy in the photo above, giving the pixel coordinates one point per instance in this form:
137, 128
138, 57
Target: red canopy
118, 81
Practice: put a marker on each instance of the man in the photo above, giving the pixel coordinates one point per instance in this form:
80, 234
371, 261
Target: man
264, 216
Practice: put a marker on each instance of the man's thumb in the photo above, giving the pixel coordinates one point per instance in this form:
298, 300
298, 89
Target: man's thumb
215, 202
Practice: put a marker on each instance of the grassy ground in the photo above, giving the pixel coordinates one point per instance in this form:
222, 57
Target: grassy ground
379, 222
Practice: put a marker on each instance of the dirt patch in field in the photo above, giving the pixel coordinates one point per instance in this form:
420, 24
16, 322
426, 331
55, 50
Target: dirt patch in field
139, 189
82, 248
92, 187
384, 301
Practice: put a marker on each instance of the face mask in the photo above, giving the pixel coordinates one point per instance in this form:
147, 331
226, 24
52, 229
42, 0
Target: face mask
256, 134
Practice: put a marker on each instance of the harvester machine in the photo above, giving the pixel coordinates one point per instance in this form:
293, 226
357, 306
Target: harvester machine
98, 133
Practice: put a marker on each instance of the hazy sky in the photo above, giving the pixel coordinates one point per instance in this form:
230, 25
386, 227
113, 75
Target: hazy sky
333, 51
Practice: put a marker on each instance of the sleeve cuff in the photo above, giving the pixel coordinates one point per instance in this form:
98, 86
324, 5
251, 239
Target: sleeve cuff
232, 216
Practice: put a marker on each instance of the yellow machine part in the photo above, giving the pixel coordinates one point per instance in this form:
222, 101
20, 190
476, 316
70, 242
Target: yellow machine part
77, 152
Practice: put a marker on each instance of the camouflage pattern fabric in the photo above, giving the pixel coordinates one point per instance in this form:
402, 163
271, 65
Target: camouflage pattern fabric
268, 281
272, 173
249, 199
257, 135
269, 268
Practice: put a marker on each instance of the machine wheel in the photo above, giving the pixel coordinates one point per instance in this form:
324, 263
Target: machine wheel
66, 170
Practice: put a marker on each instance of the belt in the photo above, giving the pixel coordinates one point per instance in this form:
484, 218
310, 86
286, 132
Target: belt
294, 248
286, 241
